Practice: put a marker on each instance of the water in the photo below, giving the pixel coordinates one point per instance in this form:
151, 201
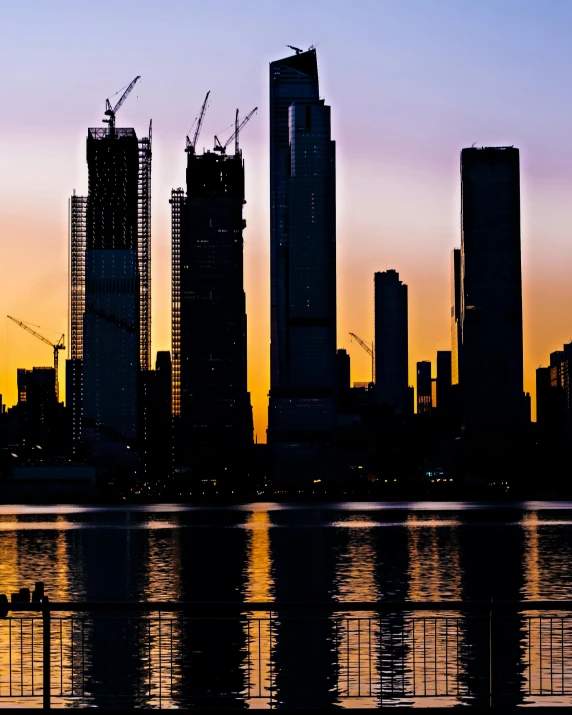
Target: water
341, 552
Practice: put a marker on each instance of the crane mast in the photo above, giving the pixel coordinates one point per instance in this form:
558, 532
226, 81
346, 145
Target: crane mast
55, 346
370, 350
234, 136
112, 111
191, 145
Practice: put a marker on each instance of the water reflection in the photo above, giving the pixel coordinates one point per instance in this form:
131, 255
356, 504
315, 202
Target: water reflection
261, 553
434, 661
545, 640
357, 634
259, 587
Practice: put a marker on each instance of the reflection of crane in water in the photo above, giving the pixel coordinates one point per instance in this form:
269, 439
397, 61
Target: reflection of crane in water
56, 347
369, 350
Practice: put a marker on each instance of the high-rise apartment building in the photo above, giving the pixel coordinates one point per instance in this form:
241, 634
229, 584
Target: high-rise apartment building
210, 397
491, 288
303, 263
110, 236
391, 341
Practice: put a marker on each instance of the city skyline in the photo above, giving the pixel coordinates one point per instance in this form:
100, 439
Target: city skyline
413, 167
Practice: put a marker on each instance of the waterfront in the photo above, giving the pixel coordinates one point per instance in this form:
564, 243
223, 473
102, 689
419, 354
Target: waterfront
265, 552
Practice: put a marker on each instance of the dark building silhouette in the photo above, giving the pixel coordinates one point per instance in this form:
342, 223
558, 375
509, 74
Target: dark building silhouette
455, 314
491, 289
343, 380
110, 301
391, 341
444, 382
303, 266
424, 388
156, 426
39, 416
210, 398
553, 394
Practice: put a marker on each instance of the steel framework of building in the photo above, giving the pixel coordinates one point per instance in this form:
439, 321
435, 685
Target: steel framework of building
77, 234
177, 203
144, 250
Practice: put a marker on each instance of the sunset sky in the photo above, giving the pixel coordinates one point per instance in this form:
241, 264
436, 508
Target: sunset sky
410, 82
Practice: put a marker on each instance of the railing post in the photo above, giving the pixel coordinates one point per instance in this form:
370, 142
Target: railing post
47, 684
491, 656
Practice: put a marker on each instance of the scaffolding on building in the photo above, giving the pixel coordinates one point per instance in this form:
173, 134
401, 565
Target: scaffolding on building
177, 203
144, 250
77, 244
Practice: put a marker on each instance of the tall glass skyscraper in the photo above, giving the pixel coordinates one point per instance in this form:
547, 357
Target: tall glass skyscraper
111, 317
491, 290
303, 264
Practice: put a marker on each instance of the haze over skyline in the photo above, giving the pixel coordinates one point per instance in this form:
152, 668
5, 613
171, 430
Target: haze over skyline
410, 84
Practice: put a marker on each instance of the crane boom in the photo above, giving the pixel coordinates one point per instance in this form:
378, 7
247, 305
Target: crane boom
55, 346
369, 350
191, 145
112, 111
234, 136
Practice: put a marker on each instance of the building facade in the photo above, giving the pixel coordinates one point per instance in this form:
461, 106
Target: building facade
491, 289
391, 341
303, 265
110, 295
455, 314
210, 395
554, 394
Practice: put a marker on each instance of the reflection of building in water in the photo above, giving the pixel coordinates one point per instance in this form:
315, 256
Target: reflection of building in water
357, 634
159, 647
304, 560
212, 561
491, 565
22, 564
547, 566
258, 586
435, 668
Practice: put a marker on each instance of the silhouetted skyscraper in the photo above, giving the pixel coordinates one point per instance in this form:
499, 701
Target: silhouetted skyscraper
391, 341
343, 370
115, 270
424, 388
455, 314
303, 263
210, 394
491, 312
444, 385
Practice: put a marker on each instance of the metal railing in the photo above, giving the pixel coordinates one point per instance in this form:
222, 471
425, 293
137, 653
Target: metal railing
317, 654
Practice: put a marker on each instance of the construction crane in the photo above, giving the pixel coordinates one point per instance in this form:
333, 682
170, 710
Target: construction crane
297, 50
369, 350
191, 145
112, 111
56, 348
237, 129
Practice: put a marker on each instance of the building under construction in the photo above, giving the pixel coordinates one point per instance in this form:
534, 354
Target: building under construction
110, 291
210, 398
